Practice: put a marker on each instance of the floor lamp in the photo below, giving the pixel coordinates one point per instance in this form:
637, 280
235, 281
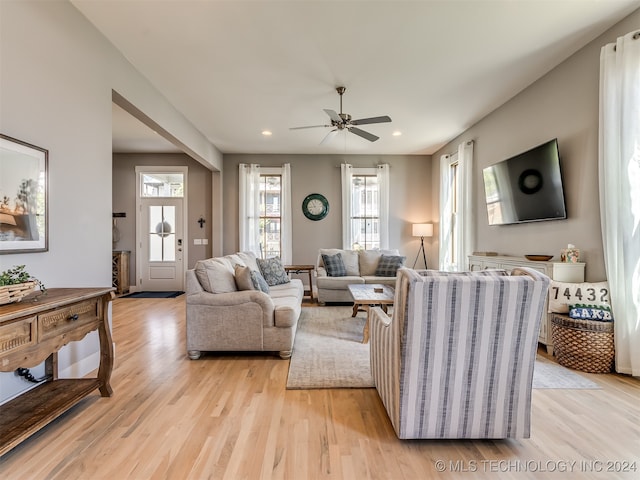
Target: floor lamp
422, 230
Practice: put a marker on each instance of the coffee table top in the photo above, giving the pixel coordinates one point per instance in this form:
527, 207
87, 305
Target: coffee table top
366, 293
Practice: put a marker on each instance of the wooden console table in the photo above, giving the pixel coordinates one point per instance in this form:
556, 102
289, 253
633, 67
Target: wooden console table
32, 332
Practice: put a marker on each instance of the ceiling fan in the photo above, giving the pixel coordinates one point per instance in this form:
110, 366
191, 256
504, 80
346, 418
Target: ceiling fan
342, 121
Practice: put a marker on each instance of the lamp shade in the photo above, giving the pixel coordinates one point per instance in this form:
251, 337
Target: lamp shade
422, 230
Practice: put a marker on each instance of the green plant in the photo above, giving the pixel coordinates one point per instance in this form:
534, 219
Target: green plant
18, 274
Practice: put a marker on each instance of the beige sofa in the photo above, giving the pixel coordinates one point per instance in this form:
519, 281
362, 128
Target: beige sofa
361, 266
227, 314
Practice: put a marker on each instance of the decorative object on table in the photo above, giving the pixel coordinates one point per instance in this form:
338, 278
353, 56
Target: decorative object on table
539, 258
16, 283
315, 206
571, 254
23, 190
422, 230
585, 345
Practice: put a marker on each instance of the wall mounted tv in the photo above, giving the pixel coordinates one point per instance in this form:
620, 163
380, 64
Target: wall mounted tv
526, 187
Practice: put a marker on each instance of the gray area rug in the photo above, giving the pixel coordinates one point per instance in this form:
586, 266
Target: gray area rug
328, 353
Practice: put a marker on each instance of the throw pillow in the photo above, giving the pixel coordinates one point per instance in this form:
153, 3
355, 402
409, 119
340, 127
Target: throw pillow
216, 275
388, 265
590, 312
259, 283
350, 259
243, 278
563, 294
273, 271
334, 265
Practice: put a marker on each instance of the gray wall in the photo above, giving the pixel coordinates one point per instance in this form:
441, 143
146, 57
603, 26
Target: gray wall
56, 81
410, 199
562, 104
198, 202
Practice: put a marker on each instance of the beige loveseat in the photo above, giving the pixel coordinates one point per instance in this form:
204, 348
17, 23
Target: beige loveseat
361, 267
225, 311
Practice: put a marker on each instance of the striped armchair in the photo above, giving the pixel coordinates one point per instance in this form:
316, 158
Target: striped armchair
456, 358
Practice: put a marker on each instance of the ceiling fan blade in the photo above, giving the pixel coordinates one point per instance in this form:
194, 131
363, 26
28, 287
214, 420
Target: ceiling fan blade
310, 126
365, 121
363, 134
333, 115
329, 136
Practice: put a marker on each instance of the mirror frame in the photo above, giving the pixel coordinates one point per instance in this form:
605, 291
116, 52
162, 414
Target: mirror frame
24, 204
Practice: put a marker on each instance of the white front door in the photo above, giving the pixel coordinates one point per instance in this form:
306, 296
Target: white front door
161, 230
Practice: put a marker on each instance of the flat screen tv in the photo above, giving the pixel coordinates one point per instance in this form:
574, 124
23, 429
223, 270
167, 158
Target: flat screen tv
526, 187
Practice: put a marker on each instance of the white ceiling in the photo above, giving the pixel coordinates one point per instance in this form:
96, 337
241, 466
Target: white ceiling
236, 68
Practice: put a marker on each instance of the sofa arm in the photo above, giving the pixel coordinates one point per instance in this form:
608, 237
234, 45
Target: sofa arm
232, 299
385, 362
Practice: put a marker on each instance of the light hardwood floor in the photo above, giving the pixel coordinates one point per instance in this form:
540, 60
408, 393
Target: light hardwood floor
230, 416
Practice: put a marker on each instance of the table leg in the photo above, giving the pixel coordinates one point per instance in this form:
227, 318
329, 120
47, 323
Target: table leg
365, 332
355, 309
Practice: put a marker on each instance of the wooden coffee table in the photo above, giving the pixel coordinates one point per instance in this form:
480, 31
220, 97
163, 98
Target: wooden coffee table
366, 295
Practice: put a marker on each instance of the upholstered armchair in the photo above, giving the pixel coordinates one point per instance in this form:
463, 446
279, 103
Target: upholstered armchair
456, 358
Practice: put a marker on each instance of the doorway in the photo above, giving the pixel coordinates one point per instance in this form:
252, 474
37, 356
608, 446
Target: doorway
161, 228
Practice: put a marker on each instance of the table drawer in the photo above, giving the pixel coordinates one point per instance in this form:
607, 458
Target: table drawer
17, 335
54, 323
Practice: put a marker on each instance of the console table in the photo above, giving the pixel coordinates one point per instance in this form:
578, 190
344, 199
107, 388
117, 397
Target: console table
32, 332
559, 271
300, 269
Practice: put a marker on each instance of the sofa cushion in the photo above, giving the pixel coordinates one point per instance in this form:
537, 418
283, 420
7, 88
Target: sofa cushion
216, 275
368, 262
334, 265
388, 265
259, 283
243, 278
249, 260
349, 258
337, 283
273, 271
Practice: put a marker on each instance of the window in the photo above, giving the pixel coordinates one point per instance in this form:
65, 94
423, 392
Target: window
456, 213
365, 207
365, 212
270, 215
265, 211
162, 185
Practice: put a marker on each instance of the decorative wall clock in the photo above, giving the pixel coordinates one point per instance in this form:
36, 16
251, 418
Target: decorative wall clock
315, 206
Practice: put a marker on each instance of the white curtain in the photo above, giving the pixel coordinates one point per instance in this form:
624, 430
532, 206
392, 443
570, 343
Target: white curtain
249, 208
457, 225
286, 226
347, 235
619, 174
383, 204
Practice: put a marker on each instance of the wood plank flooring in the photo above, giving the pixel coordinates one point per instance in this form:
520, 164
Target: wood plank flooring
228, 416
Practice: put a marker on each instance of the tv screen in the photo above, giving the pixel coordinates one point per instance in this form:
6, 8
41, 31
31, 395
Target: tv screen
526, 187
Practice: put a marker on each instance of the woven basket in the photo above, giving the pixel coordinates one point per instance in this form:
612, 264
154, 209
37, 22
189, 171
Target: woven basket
16, 292
585, 345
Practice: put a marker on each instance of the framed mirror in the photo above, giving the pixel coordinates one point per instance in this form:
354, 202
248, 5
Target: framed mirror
23, 197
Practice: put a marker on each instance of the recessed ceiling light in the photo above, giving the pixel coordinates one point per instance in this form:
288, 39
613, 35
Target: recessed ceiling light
397, 133
267, 133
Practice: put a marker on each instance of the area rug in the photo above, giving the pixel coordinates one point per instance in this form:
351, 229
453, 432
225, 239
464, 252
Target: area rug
328, 353
153, 295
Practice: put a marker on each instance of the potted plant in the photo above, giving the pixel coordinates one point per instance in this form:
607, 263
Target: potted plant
16, 283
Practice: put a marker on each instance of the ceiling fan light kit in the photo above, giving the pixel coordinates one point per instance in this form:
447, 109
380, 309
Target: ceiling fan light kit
342, 121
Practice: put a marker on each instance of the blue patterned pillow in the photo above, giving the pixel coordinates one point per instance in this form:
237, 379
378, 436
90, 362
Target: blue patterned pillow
334, 265
389, 264
273, 271
259, 283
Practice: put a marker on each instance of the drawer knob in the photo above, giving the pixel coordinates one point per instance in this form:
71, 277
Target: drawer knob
74, 317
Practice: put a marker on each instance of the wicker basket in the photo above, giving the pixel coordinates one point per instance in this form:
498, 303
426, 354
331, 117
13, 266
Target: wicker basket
585, 345
16, 292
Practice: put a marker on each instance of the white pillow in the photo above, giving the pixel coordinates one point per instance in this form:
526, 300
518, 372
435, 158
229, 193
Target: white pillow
216, 275
562, 294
